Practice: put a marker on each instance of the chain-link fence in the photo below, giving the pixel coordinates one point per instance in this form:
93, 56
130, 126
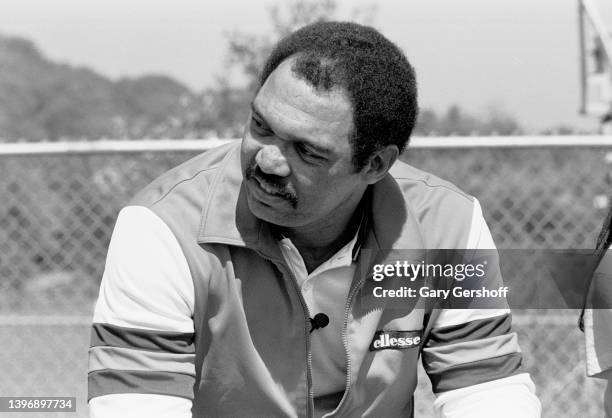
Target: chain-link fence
57, 213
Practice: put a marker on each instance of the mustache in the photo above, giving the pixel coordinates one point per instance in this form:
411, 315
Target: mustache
274, 182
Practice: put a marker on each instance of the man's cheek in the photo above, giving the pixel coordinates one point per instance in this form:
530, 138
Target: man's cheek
307, 179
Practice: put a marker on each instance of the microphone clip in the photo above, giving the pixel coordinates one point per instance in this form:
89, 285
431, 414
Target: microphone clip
320, 320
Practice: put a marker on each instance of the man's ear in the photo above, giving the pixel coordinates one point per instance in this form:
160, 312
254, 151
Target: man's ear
380, 163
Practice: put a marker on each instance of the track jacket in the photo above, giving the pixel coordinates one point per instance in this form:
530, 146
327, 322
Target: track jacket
198, 313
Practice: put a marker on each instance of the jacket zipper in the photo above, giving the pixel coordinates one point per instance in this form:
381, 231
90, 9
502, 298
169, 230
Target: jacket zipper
349, 304
310, 398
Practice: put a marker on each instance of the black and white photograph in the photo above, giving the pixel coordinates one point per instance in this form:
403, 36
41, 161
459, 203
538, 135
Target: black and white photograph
306, 208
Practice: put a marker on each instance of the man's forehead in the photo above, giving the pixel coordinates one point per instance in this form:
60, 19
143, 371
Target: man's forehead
285, 88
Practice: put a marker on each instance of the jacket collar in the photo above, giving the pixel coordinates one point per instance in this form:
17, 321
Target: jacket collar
227, 219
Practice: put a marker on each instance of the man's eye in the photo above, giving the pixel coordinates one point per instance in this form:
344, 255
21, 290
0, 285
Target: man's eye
259, 127
305, 151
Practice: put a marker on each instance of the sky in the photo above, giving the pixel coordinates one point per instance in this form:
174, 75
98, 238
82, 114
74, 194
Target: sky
515, 56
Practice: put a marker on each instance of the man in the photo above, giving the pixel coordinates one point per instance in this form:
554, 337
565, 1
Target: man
234, 284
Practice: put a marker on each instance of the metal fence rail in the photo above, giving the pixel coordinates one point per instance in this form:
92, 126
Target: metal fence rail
58, 204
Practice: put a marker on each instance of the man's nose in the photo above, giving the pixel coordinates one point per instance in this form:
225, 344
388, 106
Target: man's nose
271, 160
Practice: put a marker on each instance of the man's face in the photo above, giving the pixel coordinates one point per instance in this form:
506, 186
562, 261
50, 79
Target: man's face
296, 155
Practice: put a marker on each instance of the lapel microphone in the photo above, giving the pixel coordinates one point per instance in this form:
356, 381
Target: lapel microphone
320, 320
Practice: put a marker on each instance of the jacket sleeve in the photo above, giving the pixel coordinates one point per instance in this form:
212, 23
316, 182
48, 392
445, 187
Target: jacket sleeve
473, 358
142, 355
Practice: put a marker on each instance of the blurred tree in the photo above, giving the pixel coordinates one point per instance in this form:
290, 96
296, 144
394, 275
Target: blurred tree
216, 112
247, 52
455, 121
44, 100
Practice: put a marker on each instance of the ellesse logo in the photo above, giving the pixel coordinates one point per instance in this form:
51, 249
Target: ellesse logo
396, 340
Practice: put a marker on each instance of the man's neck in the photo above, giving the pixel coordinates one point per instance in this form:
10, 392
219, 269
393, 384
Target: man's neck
317, 243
